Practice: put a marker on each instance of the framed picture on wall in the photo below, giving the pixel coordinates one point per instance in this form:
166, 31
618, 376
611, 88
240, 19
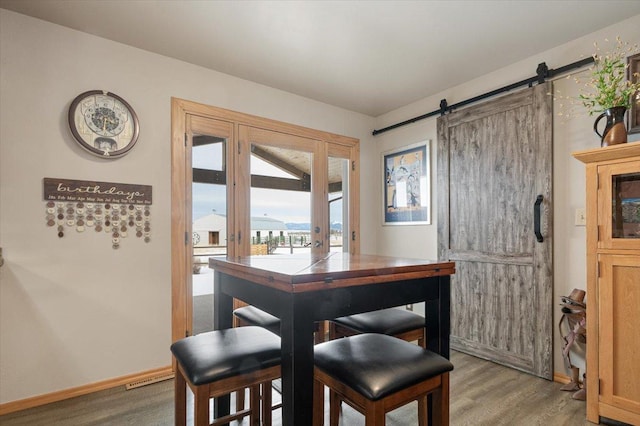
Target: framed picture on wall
633, 116
406, 185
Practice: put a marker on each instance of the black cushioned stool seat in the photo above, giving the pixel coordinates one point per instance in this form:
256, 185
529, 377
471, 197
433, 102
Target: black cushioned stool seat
376, 373
219, 362
250, 315
399, 323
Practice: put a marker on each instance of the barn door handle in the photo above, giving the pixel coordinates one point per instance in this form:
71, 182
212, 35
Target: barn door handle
536, 218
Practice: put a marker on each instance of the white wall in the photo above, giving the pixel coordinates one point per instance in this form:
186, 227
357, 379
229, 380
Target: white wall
569, 135
74, 311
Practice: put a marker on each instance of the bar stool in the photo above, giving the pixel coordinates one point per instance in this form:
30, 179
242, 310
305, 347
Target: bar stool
250, 315
219, 362
375, 374
400, 323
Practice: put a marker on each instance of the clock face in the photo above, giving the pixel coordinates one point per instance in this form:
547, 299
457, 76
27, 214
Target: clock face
103, 123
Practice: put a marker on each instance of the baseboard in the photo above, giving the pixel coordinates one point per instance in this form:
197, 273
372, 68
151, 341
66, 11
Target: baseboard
562, 378
48, 398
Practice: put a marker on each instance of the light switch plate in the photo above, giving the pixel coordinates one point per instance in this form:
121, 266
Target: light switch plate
581, 217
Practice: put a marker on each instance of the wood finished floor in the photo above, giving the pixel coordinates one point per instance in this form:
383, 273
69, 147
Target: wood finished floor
482, 393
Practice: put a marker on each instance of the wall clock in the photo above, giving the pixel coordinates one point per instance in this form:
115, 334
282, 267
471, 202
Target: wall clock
103, 123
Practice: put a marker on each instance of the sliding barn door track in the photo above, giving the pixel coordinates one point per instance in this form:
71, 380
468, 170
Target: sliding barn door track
542, 73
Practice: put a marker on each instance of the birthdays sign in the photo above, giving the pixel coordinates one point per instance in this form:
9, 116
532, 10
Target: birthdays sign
117, 209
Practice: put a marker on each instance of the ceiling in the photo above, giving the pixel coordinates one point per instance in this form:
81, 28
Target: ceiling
366, 56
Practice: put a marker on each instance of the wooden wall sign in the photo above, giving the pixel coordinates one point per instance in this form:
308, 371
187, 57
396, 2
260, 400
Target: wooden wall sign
96, 192
115, 208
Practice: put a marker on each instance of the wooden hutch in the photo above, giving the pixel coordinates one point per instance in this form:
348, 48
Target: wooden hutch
613, 282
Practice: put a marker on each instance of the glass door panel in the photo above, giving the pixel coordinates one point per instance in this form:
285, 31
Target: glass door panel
285, 211
619, 210
280, 200
338, 191
342, 194
209, 206
626, 205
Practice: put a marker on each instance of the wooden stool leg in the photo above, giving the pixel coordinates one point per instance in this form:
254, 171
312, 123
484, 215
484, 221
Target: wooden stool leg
240, 399
332, 331
201, 409
444, 401
374, 414
180, 399
318, 403
334, 408
318, 335
267, 402
237, 322
436, 406
422, 341
422, 410
254, 405
440, 402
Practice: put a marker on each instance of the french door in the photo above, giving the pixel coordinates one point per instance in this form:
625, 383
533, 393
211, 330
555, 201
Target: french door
246, 185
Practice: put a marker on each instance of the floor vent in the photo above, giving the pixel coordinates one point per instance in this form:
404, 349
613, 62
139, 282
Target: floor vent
148, 381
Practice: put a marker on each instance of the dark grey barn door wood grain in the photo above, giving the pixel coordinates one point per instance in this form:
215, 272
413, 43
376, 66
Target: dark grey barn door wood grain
494, 159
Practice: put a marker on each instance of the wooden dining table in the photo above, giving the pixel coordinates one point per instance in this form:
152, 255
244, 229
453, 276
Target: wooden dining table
301, 289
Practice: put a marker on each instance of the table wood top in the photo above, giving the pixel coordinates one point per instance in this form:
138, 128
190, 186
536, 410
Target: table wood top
307, 272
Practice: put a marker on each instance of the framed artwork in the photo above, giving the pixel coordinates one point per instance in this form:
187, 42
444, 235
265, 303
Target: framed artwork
406, 185
633, 116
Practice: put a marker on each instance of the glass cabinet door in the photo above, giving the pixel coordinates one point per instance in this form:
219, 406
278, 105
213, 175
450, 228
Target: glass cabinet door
619, 210
626, 205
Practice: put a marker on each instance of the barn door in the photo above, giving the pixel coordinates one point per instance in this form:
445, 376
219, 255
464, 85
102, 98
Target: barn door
494, 221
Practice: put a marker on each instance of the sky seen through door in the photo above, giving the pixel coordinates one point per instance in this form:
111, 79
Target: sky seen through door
286, 206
